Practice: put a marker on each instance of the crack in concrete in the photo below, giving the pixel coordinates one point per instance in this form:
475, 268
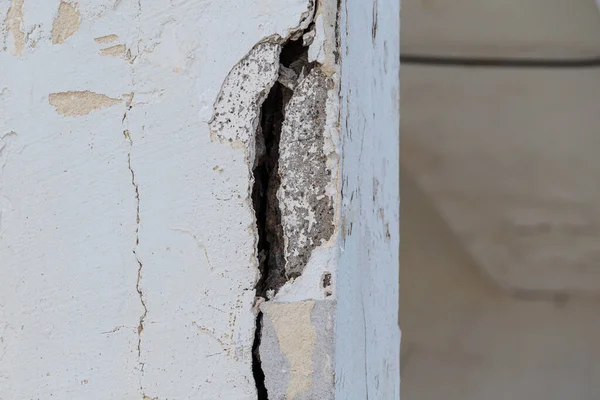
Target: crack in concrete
137, 237
128, 137
292, 67
138, 288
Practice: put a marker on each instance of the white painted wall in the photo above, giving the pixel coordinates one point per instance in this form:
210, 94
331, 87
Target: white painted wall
367, 335
127, 250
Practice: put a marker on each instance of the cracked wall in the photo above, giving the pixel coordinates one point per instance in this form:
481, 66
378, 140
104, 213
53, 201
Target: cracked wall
286, 121
128, 240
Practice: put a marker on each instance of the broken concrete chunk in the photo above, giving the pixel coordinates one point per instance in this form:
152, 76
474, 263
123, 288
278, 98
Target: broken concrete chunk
287, 77
308, 38
237, 109
114, 51
307, 211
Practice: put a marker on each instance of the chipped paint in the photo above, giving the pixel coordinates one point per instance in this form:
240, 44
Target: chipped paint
78, 103
66, 23
107, 38
113, 51
13, 22
297, 339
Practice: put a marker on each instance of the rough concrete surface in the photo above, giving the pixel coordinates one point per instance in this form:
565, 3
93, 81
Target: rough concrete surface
246, 87
307, 210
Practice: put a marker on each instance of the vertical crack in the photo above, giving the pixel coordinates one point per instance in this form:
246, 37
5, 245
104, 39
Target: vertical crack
138, 287
293, 66
127, 133
271, 262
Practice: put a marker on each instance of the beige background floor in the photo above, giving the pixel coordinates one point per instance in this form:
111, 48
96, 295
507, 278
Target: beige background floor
464, 339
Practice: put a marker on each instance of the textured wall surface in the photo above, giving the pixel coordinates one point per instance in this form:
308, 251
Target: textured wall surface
128, 236
367, 335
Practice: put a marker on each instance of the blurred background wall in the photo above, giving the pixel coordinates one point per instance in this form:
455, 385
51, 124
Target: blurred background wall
500, 227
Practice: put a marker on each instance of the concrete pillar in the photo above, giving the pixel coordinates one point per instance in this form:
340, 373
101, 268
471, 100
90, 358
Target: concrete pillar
178, 189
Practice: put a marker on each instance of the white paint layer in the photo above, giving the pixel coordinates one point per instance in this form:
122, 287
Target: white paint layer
127, 247
367, 334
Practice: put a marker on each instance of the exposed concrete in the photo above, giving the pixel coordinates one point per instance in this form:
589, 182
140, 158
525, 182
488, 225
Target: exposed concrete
297, 350
307, 210
323, 255
237, 108
289, 132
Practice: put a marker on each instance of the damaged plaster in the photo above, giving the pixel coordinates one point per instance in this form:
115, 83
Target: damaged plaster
308, 164
66, 23
283, 111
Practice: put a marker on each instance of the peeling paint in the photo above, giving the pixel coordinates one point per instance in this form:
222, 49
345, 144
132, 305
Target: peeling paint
66, 23
107, 38
297, 339
80, 102
114, 51
13, 22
